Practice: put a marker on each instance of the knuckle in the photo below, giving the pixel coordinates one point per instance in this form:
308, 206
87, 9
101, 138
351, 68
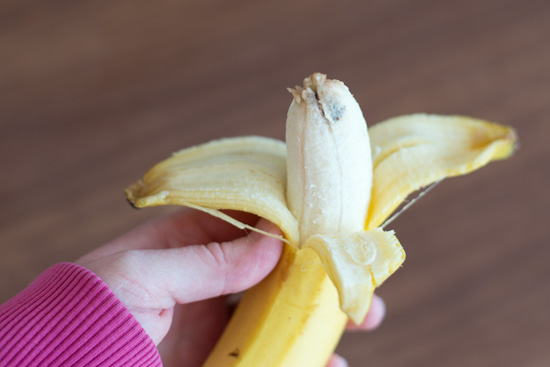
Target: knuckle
218, 254
222, 263
130, 278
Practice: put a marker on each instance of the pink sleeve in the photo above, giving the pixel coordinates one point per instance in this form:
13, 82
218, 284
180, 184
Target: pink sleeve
69, 317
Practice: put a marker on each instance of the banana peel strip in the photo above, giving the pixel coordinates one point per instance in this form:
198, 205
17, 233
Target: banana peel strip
246, 174
357, 263
413, 151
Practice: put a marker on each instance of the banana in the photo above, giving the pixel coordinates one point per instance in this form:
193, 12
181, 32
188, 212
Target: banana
329, 190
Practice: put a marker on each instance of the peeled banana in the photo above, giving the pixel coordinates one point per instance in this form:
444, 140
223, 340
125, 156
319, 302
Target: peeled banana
329, 161
329, 189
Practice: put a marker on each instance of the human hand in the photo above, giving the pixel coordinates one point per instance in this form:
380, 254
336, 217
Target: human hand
173, 273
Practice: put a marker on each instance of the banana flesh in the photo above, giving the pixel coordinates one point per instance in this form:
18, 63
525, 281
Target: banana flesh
329, 164
297, 310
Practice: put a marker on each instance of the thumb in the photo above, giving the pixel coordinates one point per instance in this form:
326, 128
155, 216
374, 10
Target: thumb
198, 272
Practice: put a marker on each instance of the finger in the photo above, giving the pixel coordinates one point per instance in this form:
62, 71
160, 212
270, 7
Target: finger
374, 317
337, 361
198, 272
183, 228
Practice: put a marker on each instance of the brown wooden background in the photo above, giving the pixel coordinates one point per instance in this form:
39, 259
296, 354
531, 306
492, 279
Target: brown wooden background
92, 93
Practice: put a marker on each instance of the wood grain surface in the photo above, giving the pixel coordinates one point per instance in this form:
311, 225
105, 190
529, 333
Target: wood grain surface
93, 93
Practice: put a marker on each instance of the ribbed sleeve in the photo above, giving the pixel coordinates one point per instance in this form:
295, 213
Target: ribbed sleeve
69, 317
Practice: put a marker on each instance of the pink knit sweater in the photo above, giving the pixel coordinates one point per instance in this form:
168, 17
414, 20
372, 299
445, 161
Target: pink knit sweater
69, 317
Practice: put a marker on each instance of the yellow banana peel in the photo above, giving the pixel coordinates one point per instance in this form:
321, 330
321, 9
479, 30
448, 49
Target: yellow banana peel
317, 189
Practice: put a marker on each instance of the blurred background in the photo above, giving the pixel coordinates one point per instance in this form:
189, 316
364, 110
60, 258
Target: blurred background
93, 93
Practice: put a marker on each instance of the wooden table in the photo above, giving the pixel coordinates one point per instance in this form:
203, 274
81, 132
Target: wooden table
92, 93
